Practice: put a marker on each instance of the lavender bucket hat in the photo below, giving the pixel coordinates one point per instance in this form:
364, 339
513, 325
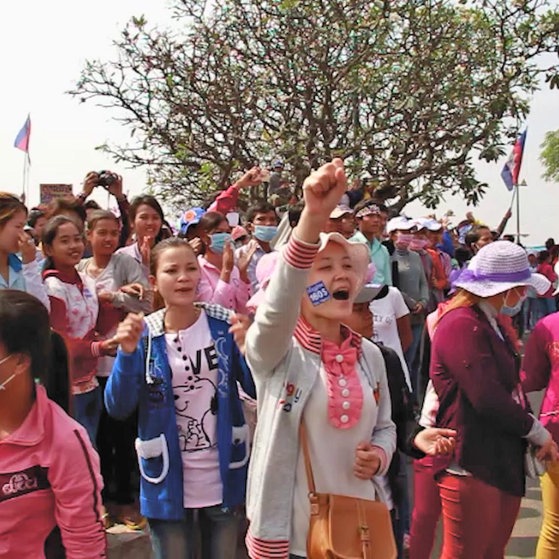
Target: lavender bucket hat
498, 267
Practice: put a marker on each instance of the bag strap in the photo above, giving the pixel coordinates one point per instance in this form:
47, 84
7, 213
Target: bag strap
372, 373
365, 535
307, 456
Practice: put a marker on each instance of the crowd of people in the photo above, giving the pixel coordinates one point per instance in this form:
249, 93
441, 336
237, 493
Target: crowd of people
230, 385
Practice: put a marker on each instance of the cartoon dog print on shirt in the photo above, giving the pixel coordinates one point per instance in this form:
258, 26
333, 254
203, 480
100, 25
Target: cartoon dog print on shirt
195, 401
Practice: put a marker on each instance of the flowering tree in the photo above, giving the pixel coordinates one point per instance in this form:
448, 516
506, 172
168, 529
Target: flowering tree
407, 91
550, 156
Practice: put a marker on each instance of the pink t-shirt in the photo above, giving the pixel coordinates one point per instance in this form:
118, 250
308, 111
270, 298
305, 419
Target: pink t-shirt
193, 361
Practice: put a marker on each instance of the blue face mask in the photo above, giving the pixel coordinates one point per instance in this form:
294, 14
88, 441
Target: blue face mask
218, 242
511, 311
265, 233
514, 310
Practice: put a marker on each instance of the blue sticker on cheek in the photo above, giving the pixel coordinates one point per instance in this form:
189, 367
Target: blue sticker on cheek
318, 293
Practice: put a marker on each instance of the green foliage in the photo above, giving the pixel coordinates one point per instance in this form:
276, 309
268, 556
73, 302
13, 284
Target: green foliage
407, 91
550, 156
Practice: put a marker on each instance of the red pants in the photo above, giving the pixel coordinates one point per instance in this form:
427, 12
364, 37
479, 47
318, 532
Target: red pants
426, 509
477, 519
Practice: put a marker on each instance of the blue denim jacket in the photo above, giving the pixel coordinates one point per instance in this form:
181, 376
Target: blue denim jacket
133, 385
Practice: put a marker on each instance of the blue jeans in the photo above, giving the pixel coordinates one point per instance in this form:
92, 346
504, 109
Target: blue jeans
87, 411
529, 313
412, 358
402, 512
210, 528
548, 305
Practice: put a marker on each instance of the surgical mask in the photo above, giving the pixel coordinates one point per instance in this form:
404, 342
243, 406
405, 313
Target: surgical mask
403, 240
3, 385
418, 244
218, 241
509, 310
265, 233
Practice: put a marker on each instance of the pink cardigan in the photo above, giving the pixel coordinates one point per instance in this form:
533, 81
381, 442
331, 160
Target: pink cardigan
211, 289
49, 475
540, 369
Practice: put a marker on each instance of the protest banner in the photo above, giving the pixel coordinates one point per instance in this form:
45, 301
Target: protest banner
51, 191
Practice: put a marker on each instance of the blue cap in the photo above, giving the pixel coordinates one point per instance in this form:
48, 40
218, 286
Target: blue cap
190, 217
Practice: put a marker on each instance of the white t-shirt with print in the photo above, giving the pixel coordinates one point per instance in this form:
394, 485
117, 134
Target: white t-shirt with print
193, 361
385, 329
82, 309
82, 306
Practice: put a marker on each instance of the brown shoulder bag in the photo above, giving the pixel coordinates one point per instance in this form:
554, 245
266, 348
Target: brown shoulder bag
344, 527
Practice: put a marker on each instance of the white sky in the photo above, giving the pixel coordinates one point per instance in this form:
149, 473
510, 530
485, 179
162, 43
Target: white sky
43, 47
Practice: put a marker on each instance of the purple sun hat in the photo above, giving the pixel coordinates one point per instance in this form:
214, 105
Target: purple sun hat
498, 267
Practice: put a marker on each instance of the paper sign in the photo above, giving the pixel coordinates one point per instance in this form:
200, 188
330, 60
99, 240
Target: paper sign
51, 191
233, 219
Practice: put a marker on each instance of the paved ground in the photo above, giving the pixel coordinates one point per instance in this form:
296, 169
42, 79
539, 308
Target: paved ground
525, 535
135, 545
127, 545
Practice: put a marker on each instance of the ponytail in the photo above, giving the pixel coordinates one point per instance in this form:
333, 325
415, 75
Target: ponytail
56, 378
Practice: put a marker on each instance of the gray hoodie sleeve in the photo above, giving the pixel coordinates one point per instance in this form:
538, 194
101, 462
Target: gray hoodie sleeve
126, 271
269, 338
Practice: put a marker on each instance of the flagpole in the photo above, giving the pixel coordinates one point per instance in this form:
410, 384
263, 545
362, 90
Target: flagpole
517, 186
27, 173
24, 179
512, 199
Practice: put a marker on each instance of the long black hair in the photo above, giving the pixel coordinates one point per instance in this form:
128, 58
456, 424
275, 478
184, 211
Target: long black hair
25, 329
151, 201
49, 234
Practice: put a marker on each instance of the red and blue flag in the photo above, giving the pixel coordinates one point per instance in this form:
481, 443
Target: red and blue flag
24, 135
511, 170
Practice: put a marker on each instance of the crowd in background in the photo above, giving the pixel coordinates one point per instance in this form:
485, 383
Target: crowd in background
142, 311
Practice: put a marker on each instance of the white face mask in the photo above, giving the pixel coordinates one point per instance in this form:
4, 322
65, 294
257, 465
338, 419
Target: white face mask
3, 385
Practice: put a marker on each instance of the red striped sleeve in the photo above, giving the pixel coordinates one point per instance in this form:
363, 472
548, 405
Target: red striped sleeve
299, 254
96, 349
308, 337
266, 549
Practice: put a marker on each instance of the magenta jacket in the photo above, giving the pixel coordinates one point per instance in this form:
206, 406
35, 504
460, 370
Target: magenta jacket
475, 373
540, 369
49, 475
